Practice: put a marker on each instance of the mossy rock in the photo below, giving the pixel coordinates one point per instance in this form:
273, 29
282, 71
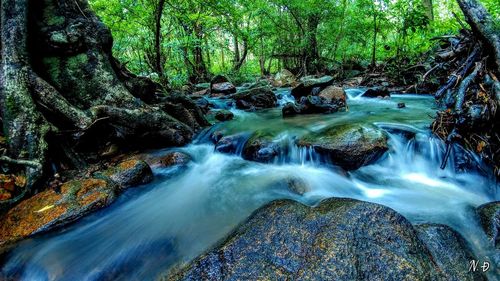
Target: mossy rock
348, 146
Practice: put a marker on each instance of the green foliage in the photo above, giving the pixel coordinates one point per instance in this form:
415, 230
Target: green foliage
203, 34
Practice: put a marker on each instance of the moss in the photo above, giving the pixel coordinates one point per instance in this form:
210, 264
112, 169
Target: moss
77, 62
50, 16
53, 66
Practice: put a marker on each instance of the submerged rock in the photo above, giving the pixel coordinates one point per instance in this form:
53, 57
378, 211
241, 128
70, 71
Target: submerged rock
53, 208
489, 215
449, 250
297, 185
130, 173
341, 239
291, 109
255, 98
348, 146
224, 115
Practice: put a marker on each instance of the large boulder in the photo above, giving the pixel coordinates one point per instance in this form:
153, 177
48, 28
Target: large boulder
284, 78
311, 85
334, 95
54, 208
489, 215
348, 146
261, 148
449, 250
340, 239
255, 98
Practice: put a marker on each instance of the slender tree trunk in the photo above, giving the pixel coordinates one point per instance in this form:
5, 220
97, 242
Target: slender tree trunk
375, 33
312, 62
159, 58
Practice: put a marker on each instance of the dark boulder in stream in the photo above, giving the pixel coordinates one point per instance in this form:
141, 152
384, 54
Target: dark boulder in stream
255, 98
489, 215
223, 115
348, 146
377, 93
329, 100
309, 84
340, 239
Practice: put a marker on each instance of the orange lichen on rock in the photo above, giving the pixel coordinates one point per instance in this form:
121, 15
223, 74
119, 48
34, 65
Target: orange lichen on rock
50, 208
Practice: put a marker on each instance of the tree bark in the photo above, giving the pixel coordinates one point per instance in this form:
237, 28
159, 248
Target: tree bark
482, 25
58, 79
159, 58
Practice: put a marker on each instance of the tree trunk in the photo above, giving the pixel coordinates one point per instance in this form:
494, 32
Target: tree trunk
68, 88
483, 26
159, 58
312, 60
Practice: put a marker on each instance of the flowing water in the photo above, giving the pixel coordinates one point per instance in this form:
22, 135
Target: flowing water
185, 211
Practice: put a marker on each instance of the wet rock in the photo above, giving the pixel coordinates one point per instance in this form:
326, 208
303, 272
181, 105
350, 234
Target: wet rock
341, 239
220, 86
305, 88
348, 146
203, 104
291, 109
170, 159
401, 105
185, 110
261, 148
231, 144
489, 215
316, 105
334, 95
224, 115
377, 93
449, 250
219, 79
54, 208
256, 98
222, 89
130, 173
284, 78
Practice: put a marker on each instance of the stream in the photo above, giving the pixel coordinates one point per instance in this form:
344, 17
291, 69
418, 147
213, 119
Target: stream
185, 211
